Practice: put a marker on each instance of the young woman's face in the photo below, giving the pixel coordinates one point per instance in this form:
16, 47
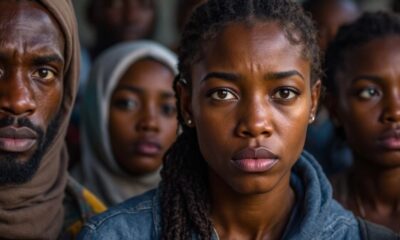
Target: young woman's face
368, 101
251, 103
142, 120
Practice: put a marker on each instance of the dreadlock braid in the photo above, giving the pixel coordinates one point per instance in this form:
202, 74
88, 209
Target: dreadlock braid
184, 187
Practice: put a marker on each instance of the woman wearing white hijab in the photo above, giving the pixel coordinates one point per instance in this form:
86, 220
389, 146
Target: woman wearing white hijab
128, 120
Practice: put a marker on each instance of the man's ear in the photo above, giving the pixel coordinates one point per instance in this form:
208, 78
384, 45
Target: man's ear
185, 106
315, 98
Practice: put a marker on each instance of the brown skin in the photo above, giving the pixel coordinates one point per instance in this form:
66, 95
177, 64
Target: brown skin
330, 15
31, 67
261, 96
142, 120
367, 106
121, 20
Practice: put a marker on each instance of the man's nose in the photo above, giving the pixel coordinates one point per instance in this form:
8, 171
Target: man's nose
16, 95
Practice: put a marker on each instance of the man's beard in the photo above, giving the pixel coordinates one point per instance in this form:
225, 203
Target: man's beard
12, 169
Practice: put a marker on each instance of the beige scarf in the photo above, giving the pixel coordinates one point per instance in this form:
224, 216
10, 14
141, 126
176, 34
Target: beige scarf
34, 210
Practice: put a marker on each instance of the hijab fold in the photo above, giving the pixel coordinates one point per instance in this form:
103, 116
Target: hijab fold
98, 169
34, 210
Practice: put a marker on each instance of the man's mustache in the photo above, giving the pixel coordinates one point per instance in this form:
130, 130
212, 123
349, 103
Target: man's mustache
20, 122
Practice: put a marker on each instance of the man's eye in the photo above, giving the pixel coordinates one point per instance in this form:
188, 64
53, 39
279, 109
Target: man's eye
44, 74
368, 93
223, 94
125, 104
285, 94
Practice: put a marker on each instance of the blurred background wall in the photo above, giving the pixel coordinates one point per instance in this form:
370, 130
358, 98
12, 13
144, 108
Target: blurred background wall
166, 32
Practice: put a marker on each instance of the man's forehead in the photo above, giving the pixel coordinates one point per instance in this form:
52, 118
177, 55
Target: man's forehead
23, 12
27, 25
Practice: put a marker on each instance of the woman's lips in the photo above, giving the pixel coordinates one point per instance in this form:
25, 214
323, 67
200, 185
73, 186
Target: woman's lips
390, 140
254, 160
147, 148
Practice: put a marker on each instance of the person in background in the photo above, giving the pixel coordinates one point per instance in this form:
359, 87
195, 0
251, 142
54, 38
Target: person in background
329, 16
184, 9
116, 21
363, 84
238, 170
128, 120
322, 141
39, 68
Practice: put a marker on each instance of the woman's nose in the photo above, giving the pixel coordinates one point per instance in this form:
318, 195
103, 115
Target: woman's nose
256, 119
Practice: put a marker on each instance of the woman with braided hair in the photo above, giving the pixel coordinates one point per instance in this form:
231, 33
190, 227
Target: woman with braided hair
363, 86
248, 86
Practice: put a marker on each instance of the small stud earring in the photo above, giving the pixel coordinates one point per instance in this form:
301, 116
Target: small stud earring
312, 118
189, 122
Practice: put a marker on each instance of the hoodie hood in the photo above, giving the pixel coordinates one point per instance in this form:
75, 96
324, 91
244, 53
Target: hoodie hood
316, 215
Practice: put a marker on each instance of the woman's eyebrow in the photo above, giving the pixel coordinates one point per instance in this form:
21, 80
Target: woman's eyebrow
283, 75
221, 75
371, 78
129, 88
163, 94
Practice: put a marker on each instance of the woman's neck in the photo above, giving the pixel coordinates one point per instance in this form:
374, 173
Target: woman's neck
377, 185
376, 194
250, 216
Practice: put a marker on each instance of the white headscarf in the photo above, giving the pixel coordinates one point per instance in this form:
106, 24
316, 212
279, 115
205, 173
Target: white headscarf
98, 169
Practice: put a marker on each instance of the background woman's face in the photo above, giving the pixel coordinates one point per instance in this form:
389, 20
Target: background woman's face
368, 101
142, 121
123, 20
251, 90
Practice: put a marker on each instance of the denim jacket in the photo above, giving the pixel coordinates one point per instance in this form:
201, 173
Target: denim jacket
315, 216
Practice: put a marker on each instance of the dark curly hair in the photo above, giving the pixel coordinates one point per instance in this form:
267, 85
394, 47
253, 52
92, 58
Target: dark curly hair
184, 186
368, 27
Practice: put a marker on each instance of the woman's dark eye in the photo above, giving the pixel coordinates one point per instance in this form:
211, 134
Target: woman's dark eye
223, 95
368, 93
126, 104
285, 94
168, 110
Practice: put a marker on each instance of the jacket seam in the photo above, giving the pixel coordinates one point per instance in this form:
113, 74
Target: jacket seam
134, 210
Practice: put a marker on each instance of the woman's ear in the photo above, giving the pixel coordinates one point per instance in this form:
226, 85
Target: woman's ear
315, 98
185, 103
